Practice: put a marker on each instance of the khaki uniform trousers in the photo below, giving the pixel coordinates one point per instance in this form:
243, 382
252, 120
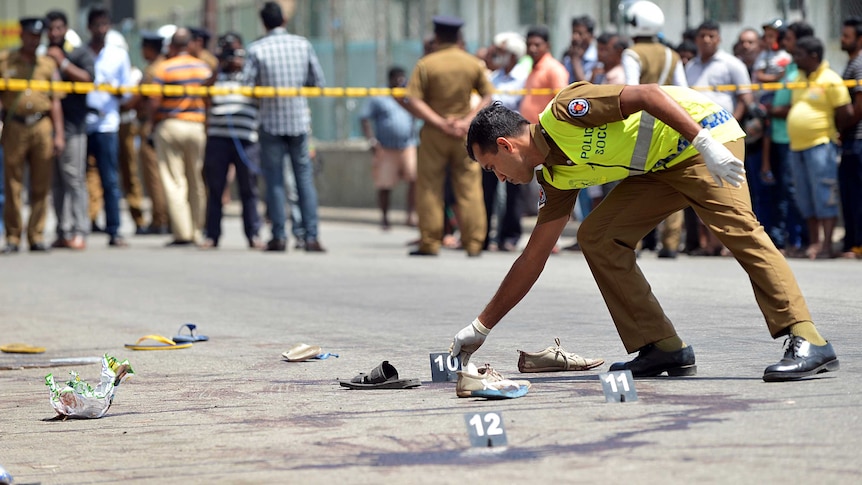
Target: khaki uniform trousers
33, 146
153, 183
130, 181
437, 152
609, 234
94, 189
180, 150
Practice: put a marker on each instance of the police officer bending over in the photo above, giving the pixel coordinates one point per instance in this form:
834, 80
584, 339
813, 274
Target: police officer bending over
672, 148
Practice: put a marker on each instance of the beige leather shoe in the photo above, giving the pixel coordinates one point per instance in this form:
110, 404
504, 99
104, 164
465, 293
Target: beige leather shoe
301, 352
554, 359
478, 382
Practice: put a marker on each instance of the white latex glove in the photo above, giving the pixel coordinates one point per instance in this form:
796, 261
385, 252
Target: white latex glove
720, 162
468, 340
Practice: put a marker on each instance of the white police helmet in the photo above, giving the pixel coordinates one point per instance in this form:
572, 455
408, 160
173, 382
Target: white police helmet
645, 19
166, 32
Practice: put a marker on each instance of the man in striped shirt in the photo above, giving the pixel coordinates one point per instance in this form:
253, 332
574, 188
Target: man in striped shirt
283, 60
231, 139
179, 139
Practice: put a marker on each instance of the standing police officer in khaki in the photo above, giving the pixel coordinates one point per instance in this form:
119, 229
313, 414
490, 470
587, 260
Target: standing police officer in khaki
32, 119
439, 93
649, 61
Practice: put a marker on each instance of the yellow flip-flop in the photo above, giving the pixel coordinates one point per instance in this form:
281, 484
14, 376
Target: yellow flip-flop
19, 348
164, 343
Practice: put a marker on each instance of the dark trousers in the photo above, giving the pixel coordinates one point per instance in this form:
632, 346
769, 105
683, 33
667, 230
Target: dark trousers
245, 156
850, 185
2, 195
788, 229
104, 147
509, 226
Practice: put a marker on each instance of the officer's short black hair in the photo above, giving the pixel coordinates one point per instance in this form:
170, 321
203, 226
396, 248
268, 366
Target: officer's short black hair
56, 15
490, 123
271, 15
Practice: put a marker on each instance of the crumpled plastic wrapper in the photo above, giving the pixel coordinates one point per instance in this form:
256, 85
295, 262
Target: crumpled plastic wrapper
78, 399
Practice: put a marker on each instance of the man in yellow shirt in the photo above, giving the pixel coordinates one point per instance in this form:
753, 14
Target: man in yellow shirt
672, 147
816, 114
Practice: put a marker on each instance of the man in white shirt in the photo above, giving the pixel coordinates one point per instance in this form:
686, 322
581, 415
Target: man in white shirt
103, 117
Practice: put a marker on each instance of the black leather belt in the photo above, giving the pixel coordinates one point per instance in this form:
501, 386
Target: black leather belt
32, 119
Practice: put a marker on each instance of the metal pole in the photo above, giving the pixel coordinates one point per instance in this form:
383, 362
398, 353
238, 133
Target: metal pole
382, 39
210, 17
336, 22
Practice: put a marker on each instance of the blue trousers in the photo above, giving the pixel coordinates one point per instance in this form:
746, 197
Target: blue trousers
273, 149
850, 185
105, 148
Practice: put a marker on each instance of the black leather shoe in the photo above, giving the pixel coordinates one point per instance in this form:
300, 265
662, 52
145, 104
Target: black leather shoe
667, 254
117, 242
10, 248
38, 247
802, 359
652, 362
276, 245
421, 253
179, 243
313, 246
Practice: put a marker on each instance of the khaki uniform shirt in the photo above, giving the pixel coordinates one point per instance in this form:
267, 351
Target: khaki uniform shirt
586, 141
446, 78
15, 66
653, 57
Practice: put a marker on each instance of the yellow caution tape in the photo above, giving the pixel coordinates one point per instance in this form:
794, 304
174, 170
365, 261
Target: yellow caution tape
314, 92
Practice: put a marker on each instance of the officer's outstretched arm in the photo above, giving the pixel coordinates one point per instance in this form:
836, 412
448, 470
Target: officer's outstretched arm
521, 277
524, 272
721, 163
652, 99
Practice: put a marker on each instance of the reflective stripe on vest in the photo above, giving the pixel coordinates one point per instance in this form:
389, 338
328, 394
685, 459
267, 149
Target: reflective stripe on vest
642, 145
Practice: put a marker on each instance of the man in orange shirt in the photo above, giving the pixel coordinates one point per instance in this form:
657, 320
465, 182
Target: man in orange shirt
179, 139
548, 73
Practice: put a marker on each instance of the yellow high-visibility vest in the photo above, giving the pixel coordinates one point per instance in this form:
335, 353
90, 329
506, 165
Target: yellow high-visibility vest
634, 146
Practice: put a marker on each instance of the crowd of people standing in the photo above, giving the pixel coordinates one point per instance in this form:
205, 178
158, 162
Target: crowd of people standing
81, 150
189, 145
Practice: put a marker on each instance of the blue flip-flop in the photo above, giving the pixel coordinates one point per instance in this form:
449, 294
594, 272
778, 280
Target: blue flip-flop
325, 356
191, 337
501, 394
